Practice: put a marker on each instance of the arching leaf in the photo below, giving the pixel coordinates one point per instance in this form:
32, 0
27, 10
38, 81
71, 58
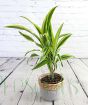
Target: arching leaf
66, 56
30, 39
62, 35
35, 25
17, 26
60, 60
50, 33
26, 36
47, 20
34, 50
40, 64
62, 41
58, 33
34, 55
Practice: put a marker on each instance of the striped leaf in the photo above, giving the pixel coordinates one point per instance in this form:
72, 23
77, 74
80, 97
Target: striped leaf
58, 33
35, 25
62, 41
47, 20
40, 64
66, 56
17, 26
60, 60
26, 36
62, 35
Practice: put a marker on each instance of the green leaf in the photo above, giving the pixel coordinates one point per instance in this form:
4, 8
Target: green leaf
34, 55
62, 35
30, 39
49, 16
62, 41
47, 20
35, 25
60, 60
17, 26
31, 51
58, 33
39, 45
50, 31
66, 56
40, 64
45, 53
26, 36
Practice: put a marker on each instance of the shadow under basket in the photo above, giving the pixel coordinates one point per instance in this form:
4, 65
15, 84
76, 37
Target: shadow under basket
50, 91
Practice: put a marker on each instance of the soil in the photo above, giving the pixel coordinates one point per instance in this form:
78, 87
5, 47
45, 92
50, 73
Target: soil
49, 80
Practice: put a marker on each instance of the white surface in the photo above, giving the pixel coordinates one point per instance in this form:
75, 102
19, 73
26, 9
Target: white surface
23, 78
82, 72
72, 12
72, 93
15, 91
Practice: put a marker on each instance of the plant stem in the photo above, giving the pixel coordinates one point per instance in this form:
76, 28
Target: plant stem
53, 70
52, 74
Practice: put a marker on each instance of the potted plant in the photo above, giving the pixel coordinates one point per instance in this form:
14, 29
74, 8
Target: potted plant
49, 46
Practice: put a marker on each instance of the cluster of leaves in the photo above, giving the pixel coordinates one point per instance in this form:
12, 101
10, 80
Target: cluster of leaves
48, 43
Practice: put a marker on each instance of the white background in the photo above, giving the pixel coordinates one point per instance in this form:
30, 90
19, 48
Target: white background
74, 14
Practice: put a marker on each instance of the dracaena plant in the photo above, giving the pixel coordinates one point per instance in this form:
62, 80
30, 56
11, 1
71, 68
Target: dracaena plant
49, 44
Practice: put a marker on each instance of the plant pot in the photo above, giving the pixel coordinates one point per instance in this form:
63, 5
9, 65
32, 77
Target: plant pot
50, 91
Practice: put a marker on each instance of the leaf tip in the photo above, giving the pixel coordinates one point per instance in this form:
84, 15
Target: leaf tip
22, 16
63, 23
33, 68
6, 26
19, 32
73, 56
55, 7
